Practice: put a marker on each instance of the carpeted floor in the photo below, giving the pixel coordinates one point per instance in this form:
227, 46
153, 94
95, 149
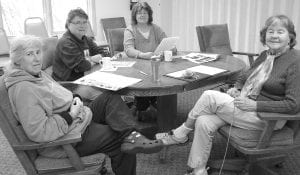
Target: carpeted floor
175, 163
177, 156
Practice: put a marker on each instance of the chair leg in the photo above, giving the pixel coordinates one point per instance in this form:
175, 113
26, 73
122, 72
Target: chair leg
229, 165
266, 165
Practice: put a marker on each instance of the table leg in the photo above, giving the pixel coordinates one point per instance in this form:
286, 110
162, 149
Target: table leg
167, 117
167, 112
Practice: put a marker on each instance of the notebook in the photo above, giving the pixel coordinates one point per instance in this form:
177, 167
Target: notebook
166, 44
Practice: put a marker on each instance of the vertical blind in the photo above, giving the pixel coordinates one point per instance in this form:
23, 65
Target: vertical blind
245, 18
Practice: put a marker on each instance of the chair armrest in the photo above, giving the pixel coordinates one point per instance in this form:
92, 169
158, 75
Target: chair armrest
246, 53
30, 145
278, 116
68, 85
250, 56
271, 120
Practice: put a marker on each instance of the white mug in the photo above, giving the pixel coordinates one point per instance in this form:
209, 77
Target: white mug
168, 55
105, 63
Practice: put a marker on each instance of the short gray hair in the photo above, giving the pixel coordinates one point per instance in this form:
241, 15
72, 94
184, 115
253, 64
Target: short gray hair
20, 45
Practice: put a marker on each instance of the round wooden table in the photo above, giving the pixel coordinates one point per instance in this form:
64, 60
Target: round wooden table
167, 88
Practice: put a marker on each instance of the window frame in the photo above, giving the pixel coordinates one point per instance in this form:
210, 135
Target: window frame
47, 16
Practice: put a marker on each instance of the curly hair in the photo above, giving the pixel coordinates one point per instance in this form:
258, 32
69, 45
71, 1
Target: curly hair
286, 22
137, 8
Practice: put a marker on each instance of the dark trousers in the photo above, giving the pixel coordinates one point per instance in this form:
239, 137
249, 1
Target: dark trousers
142, 103
112, 122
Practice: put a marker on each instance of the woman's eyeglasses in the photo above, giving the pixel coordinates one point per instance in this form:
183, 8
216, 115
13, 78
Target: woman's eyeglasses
79, 23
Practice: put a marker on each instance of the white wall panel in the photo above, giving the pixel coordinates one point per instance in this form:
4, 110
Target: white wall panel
245, 18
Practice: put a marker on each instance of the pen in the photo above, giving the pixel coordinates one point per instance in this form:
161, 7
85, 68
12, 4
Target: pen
143, 72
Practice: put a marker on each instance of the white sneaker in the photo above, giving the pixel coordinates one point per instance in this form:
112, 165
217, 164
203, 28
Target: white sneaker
168, 138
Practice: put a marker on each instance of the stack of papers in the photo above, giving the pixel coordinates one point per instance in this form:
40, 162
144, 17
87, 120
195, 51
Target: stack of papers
200, 57
196, 73
106, 80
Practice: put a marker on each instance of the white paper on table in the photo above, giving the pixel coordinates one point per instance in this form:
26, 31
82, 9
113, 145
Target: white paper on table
107, 80
108, 69
123, 63
206, 70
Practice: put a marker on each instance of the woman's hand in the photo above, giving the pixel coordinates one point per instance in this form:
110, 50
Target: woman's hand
233, 92
96, 58
245, 104
76, 108
145, 55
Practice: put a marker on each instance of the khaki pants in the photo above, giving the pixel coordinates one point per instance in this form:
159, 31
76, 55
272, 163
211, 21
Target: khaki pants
213, 110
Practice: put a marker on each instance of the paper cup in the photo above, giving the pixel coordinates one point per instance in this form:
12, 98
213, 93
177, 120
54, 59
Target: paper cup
168, 55
105, 63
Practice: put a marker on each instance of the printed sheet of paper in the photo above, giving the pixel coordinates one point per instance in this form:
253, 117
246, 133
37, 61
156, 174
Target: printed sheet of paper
201, 57
107, 80
116, 64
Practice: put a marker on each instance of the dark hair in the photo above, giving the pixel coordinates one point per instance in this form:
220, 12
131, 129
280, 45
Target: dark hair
73, 13
137, 8
286, 22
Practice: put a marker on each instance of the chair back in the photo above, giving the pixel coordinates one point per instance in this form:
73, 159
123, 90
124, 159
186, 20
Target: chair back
49, 47
112, 23
214, 39
115, 40
35, 26
4, 49
13, 130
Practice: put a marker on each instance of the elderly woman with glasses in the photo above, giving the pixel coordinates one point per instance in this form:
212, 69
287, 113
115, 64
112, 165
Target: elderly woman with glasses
48, 111
75, 52
270, 85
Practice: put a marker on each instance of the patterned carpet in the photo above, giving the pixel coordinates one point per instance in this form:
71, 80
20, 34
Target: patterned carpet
175, 163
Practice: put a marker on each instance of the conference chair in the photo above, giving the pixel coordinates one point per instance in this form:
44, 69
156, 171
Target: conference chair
26, 150
264, 150
4, 51
115, 40
112, 23
35, 26
215, 39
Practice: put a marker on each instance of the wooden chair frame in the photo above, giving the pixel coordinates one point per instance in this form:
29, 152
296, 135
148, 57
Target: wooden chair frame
263, 156
25, 149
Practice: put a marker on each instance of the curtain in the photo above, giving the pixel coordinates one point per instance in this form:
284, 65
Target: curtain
245, 18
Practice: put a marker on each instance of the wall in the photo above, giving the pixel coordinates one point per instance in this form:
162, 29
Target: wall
245, 18
120, 8
110, 9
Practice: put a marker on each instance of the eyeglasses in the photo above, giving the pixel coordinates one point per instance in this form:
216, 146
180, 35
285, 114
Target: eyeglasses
142, 13
77, 23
